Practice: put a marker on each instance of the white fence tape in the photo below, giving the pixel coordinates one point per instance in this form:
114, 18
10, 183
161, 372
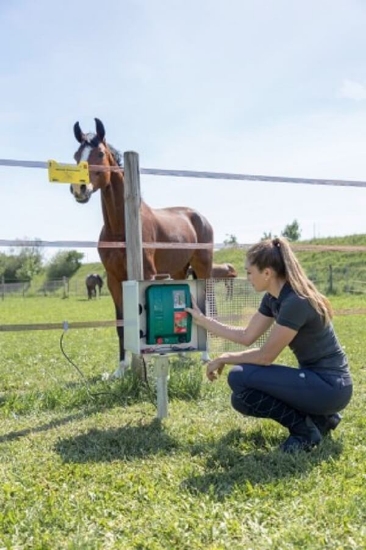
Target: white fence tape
201, 174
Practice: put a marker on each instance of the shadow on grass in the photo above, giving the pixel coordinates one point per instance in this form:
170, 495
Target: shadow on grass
11, 436
124, 443
233, 463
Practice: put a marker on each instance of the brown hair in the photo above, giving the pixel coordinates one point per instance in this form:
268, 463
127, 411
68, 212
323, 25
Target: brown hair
277, 254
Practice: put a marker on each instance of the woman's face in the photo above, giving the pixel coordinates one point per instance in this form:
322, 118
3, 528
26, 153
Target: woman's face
258, 279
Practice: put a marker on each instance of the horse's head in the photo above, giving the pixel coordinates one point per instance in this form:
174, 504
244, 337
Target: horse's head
95, 150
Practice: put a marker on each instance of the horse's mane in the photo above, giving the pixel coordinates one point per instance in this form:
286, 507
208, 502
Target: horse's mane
117, 155
93, 140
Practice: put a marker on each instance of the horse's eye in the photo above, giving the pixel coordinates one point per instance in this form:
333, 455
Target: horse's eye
100, 154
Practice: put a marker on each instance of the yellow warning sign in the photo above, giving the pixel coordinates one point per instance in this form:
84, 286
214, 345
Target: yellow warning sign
68, 173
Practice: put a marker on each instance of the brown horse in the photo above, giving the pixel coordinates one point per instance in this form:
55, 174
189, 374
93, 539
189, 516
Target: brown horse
93, 282
228, 273
221, 271
166, 225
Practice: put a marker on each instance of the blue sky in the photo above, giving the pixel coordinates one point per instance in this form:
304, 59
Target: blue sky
273, 87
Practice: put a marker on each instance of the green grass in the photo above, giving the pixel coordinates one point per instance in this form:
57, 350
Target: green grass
85, 464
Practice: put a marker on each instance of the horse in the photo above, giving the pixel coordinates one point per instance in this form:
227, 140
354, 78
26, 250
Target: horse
167, 225
224, 271
228, 273
93, 282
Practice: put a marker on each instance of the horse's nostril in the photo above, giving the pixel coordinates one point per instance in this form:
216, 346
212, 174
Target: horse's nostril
83, 188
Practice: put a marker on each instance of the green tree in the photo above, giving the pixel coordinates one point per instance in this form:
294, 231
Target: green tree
231, 240
64, 264
22, 266
267, 236
292, 231
31, 263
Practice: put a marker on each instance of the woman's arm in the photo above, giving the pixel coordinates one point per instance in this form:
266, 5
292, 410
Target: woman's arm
276, 342
257, 326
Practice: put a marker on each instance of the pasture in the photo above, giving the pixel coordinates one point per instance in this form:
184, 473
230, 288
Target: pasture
85, 464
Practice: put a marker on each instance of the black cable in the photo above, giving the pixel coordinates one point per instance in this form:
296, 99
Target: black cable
93, 395
82, 375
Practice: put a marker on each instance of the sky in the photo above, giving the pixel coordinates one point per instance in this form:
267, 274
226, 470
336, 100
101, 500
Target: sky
269, 87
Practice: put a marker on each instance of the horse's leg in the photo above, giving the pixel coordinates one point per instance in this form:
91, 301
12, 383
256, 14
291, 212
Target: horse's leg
115, 288
229, 284
231, 288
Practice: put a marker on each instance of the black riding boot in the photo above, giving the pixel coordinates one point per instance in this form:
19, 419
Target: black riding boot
326, 423
304, 435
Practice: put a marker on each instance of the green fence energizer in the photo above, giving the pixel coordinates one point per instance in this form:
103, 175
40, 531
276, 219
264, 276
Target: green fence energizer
167, 322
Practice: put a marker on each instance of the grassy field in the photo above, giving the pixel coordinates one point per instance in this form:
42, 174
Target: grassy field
85, 464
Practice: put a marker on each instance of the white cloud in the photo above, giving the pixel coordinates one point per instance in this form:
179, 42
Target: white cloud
351, 89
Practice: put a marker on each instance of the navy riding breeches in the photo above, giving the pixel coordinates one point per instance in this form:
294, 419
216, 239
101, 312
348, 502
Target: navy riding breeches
304, 390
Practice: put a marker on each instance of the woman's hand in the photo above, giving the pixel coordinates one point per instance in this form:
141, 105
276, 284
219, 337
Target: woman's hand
214, 368
196, 313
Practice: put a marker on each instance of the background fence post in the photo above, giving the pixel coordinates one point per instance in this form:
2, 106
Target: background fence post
330, 281
346, 288
65, 287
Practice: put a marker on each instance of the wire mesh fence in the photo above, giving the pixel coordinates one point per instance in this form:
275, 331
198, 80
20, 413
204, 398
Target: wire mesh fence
27, 288
338, 279
232, 302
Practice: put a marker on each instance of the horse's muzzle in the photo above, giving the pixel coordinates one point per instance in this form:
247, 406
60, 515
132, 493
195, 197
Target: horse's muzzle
81, 193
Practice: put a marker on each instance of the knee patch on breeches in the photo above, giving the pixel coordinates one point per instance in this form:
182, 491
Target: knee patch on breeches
236, 379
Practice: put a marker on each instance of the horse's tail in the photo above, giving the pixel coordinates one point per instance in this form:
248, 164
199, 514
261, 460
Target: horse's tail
202, 259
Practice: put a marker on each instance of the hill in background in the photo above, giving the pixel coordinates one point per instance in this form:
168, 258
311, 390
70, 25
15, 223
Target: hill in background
332, 271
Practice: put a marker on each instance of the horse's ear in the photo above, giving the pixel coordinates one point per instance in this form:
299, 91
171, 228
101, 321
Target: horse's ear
99, 129
78, 133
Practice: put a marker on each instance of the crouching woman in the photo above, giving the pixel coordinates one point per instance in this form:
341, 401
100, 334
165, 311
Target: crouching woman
305, 400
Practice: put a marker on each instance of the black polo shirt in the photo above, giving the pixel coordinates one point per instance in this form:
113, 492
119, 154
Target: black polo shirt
315, 344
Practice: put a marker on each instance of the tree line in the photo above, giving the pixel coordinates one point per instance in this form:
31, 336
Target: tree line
292, 232
29, 262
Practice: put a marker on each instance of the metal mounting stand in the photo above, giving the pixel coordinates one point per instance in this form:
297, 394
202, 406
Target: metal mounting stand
161, 371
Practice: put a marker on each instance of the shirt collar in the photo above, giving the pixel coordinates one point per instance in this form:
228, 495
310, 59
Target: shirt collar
285, 290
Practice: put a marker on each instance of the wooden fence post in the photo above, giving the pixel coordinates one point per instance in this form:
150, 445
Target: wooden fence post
135, 270
133, 226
